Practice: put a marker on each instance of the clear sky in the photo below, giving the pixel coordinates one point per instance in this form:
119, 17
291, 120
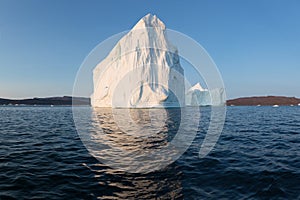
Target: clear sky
255, 44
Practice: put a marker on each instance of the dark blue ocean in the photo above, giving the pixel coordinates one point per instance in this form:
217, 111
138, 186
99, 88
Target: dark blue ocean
256, 157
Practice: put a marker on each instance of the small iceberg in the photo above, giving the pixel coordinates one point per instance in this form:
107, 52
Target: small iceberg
275, 106
198, 96
298, 104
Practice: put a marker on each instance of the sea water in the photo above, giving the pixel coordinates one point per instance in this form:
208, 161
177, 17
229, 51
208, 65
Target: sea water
256, 157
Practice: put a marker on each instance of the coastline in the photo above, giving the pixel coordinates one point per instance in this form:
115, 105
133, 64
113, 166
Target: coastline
84, 101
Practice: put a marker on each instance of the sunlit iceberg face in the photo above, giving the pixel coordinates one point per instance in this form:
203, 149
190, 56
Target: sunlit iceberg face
144, 67
137, 89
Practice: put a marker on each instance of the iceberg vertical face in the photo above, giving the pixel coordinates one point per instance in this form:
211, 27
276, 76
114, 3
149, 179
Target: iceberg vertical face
142, 70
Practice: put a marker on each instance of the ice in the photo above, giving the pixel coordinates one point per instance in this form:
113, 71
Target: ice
197, 96
142, 70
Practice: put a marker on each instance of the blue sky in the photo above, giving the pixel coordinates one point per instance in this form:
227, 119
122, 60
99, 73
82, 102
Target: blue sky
255, 44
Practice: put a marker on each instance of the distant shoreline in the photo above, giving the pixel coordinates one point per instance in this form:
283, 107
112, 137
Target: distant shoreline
264, 101
84, 101
55, 101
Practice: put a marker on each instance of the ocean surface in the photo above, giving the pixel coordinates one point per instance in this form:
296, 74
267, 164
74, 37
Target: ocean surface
256, 157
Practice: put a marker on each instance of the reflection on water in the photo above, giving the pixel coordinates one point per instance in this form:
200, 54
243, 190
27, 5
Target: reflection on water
137, 140
257, 157
164, 184
136, 149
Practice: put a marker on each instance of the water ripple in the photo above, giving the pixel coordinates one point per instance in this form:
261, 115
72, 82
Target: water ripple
257, 157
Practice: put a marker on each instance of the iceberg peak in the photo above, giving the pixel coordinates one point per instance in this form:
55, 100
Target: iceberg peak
151, 21
197, 86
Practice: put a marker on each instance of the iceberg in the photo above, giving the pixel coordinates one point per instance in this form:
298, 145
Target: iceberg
198, 96
142, 70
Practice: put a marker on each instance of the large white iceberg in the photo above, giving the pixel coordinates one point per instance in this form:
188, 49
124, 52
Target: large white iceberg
142, 70
197, 96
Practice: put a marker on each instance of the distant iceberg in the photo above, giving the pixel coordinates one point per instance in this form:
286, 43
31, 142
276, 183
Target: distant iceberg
198, 96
